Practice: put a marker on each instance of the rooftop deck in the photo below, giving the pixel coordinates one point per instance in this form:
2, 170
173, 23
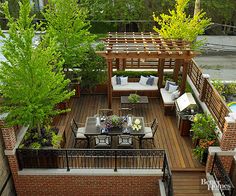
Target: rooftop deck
168, 137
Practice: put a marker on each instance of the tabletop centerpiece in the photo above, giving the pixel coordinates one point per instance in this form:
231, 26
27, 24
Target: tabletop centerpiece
136, 126
114, 121
134, 98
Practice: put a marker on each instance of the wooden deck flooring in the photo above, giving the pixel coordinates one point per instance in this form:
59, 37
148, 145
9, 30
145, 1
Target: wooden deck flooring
168, 137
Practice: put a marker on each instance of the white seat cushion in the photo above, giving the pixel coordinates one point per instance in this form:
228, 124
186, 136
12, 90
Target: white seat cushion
125, 140
148, 135
134, 86
166, 96
80, 133
147, 130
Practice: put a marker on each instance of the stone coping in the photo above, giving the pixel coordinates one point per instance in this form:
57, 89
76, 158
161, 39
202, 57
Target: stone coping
215, 149
91, 172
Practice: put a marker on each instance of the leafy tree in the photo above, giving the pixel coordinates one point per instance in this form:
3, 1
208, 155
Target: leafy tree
116, 10
178, 25
32, 80
66, 23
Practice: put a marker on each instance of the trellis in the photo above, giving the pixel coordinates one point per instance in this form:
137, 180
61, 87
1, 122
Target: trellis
123, 47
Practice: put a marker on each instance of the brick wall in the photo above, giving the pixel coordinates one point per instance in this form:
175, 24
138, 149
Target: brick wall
228, 141
4, 167
87, 185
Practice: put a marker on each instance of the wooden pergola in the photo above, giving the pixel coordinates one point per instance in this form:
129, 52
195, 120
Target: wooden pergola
121, 47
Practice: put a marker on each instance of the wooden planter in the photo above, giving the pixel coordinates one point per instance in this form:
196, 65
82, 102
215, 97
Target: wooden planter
98, 89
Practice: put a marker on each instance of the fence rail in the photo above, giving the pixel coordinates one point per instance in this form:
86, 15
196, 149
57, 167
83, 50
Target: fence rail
91, 158
212, 99
221, 177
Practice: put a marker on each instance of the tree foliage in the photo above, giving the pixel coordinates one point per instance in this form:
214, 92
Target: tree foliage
66, 23
180, 26
32, 80
92, 69
115, 9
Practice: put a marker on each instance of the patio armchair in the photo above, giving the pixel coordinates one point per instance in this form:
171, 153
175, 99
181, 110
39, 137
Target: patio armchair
102, 141
78, 132
105, 112
150, 132
125, 141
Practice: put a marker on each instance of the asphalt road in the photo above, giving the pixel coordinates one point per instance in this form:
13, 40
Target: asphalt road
219, 66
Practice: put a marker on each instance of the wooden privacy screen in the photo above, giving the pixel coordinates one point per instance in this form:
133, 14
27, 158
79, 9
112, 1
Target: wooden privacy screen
212, 99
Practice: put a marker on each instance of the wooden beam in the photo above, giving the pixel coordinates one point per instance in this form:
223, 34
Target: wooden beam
109, 93
184, 76
140, 54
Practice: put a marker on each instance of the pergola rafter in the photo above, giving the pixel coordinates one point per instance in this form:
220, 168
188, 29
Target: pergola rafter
122, 46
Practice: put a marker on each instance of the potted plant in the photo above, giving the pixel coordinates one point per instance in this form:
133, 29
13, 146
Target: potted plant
203, 129
134, 98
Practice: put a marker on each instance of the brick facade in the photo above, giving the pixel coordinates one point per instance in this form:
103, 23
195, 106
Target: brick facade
87, 185
228, 141
9, 136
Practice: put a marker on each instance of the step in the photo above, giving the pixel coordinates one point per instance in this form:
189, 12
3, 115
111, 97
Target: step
189, 183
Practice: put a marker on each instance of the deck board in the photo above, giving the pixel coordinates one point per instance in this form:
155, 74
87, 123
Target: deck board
167, 137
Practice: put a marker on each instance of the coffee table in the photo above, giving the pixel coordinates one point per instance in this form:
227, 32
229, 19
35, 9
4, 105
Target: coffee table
124, 101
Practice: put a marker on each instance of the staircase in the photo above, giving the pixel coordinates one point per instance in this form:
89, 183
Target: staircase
189, 183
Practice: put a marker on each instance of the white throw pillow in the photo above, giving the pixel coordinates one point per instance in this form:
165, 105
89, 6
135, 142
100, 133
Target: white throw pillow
175, 95
155, 80
172, 88
124, 81
113, 80
143, 80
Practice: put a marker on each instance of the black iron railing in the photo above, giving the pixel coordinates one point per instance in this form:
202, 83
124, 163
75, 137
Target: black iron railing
92, 158
167, 177
222, 180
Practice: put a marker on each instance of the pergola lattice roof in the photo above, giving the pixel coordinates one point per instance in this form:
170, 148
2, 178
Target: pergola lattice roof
145, 45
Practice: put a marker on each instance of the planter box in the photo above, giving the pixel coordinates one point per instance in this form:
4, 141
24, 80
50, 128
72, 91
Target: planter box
99, 89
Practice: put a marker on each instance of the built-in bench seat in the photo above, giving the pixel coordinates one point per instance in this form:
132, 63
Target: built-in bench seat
134, 86
168, 100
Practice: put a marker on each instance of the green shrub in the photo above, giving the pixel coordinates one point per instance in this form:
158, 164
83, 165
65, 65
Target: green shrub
134, 74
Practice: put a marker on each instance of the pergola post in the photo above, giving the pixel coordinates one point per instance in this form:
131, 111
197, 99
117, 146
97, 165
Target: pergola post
109, 71
161, 72
176, 69
184, 76
117, 63
123, 64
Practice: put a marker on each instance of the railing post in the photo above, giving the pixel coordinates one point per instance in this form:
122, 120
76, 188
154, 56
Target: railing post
67, 162
164, 168
203, 89
115, 170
